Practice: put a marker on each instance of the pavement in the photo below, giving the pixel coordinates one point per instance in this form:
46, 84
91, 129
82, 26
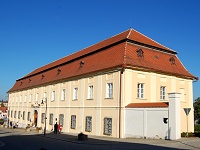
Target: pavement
183, 143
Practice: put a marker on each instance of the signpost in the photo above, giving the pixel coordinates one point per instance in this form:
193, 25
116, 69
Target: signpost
187, 111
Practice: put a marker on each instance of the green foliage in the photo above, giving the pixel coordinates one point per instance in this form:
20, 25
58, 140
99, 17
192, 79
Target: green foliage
197, 109
2, 105
197, 128
190, 134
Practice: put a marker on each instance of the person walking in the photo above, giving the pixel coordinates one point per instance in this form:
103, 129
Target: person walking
55, 128
59, 128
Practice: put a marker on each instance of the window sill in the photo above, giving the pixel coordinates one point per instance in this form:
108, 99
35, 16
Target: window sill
108, 98
90, 99
74, 99
143, 99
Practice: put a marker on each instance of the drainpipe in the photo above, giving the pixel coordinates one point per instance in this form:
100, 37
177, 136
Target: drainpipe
120, 95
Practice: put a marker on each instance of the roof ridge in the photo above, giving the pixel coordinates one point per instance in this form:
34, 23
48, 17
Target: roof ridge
153, 40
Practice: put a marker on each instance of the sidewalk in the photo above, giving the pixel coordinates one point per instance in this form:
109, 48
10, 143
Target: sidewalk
68, 137
183, 143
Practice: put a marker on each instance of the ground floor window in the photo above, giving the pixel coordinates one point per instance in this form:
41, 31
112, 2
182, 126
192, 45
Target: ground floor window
15, 114
61, 119
11, 113
19, 113
88, 124
51, 119
42, 117
73, 121
23, 115
108, 126
28, 116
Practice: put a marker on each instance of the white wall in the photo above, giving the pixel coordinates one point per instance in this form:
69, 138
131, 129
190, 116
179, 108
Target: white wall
146, 123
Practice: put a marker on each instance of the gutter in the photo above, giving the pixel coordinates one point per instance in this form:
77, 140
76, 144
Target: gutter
120, 98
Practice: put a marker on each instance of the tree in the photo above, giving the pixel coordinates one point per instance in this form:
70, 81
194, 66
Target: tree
197, 110
2, 105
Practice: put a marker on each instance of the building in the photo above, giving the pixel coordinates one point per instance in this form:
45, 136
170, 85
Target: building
118, 87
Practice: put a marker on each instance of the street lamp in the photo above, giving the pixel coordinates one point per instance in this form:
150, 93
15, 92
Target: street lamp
45, 124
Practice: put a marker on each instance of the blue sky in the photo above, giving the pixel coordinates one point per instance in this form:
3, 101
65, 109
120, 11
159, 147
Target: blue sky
36, 32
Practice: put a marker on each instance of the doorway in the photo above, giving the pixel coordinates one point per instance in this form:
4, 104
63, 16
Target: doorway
35, 117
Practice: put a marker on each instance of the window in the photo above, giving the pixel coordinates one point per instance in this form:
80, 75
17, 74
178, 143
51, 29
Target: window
30, 98
140, 92
162, 92
25, 98
19, 113
73, 122
90, 92
51, 119
53, 95
108, 126
63, 94
20, 100
109, 90
23, 117
37, 95
61, 119
15, 114
88, 124
11, 113
28, 117
75, 93
42, 117
172, 60
140, 53
45, 95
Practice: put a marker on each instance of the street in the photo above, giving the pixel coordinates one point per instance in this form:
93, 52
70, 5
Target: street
19, 139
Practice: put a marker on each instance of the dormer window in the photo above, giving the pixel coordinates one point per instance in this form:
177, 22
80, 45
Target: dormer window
140, 53
82, 63
42, 76
59, 71
172, 60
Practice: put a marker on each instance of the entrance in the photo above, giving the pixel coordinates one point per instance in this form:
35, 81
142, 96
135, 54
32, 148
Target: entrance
35, 117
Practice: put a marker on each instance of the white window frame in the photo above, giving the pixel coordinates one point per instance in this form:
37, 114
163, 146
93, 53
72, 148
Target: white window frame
53, 95
25, 98
140, 90
63, 94
90, 92
109, 90
45, 96
61, 119
73, 121
88, 124
28, 116
19, 114
37, 97
42, 117
20, 99
108, 126
163, 92
23, 117
30, 98
75, 93
51, 119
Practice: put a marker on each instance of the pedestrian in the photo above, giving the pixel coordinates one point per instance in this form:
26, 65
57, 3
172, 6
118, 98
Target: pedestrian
55, 128
59, 128
11, 124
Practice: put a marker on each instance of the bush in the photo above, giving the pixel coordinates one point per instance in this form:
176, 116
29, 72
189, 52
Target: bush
190, 134
1, 121
197, 128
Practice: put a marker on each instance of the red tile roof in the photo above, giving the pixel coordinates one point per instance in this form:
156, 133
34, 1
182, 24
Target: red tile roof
114, 52
147, 105
3, 109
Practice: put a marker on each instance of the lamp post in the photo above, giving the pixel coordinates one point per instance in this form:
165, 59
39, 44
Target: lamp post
45, 124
